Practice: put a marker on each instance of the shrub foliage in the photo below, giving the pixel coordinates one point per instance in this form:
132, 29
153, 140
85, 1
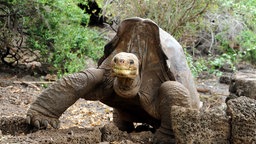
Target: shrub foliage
52, 27
171, 15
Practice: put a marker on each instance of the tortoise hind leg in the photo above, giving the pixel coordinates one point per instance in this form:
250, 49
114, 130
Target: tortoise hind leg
170, 93
119, 119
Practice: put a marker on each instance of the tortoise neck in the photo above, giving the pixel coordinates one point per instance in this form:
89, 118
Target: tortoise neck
127, 87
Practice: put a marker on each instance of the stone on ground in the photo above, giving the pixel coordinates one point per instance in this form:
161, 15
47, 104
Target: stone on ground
243, 120
193, 126
243, 83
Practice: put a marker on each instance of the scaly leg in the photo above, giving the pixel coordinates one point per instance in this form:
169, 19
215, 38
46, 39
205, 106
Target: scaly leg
170, 93
54, 100
120, 120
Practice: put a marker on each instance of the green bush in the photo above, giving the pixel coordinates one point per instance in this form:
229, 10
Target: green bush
172, 16
240, 27
61, 31
247, 40
230, 28
54, 28
196, 66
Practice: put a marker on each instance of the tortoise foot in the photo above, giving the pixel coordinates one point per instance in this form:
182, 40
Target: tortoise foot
164, 136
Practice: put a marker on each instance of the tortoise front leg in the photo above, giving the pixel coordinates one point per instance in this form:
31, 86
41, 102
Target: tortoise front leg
123, 122
54, 100
170, 93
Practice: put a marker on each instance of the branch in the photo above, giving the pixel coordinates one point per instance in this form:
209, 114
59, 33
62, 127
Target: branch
7, 15
182, 21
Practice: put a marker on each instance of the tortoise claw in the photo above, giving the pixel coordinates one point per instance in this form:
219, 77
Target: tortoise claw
41, 121
45, 123
37, 123
28, 119
58, 125
55, 124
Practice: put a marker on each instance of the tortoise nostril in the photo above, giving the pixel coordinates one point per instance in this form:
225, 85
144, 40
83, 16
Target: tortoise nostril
131, 61
122, 61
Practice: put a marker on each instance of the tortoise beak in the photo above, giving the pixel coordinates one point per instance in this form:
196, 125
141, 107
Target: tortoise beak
125, 65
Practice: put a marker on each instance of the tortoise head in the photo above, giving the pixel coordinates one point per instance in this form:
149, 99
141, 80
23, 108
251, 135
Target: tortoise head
125, 69
125, 65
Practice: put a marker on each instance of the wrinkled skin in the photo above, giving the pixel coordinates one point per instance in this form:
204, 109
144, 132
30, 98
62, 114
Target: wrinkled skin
134, 77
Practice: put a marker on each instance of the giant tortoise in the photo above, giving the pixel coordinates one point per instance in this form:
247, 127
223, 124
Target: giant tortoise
142, 74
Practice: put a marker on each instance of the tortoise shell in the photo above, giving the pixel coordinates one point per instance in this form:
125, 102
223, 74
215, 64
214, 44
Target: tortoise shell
152, 45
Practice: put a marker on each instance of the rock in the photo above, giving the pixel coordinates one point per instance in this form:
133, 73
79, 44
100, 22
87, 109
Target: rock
72, 135
225, 78
32, 65
15, 126
245, 66
193, 126
226, 68
243, 83
90, 63
16, 130
142, 137
111, 133
51, 77
243, 120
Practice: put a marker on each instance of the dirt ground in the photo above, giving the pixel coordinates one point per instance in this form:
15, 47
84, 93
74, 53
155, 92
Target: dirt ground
84, 122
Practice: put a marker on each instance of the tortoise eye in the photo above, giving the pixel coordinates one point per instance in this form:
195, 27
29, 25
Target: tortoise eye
115, 59
131, 61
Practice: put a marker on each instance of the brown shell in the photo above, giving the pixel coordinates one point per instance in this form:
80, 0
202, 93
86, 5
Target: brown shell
144, 37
